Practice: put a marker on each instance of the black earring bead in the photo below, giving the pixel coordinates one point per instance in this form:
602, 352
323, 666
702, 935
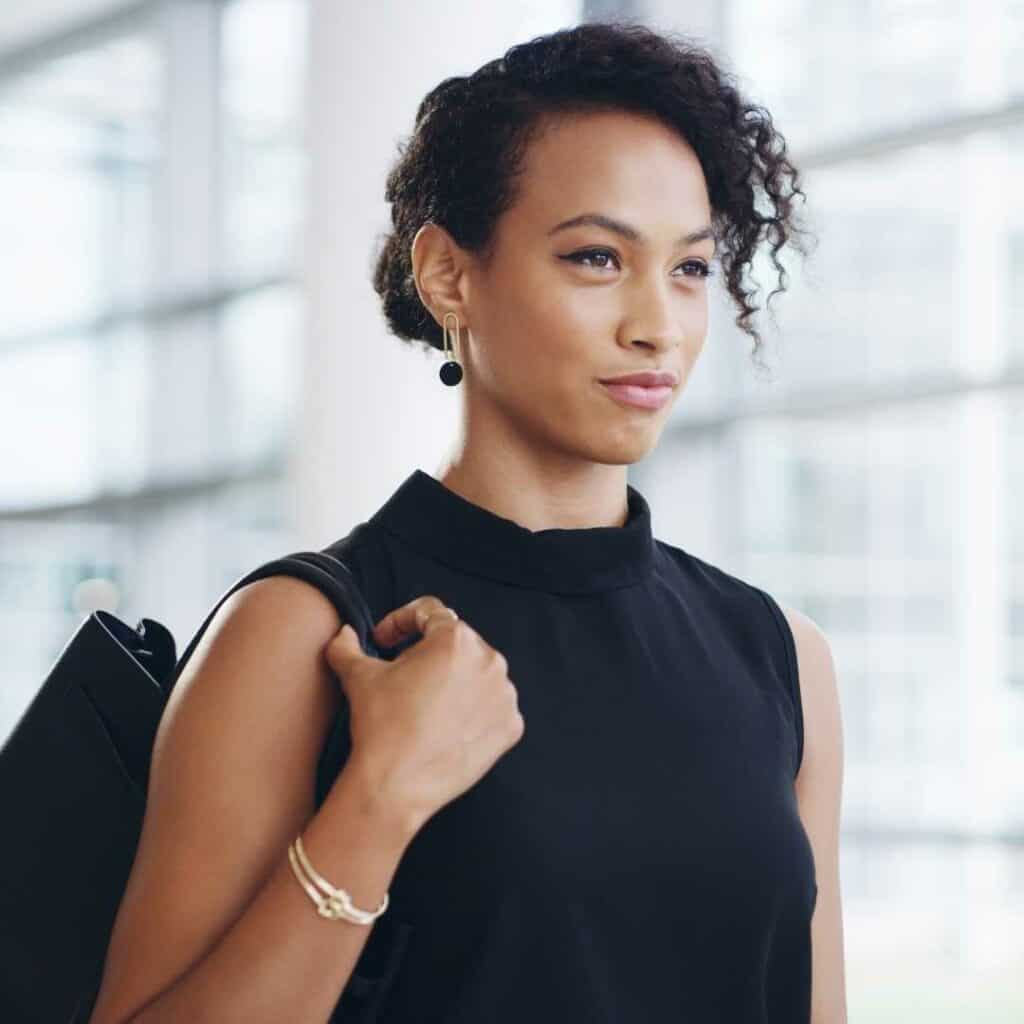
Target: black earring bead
451, 373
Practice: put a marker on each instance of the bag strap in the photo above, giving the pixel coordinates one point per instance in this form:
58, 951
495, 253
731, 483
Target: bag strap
327, 573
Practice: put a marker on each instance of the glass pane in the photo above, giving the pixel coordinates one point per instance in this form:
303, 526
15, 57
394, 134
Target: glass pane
261, 353
264, 160
937, 930
1010, 254
828, 72
882, 296
1012, 621
148, 417
48, 399
77, 169
860, 534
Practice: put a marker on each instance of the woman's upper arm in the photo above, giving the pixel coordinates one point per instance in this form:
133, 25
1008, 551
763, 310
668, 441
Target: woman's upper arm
232, 780
818, 788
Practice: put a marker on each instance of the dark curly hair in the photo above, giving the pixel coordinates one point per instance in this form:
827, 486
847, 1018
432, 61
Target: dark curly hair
460, 166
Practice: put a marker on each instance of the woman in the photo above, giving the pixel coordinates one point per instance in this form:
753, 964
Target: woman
565, 790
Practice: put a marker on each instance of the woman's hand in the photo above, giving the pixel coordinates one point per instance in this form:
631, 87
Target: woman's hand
429, 724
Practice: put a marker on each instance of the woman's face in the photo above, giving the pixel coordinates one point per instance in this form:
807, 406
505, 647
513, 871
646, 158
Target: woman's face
550, 321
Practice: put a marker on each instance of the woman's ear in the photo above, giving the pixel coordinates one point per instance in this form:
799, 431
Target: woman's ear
439, 272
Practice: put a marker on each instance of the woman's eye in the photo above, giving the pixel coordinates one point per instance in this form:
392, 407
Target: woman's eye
588, 254
702, 269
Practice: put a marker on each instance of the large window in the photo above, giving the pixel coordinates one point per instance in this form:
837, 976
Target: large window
870, 482
150, 199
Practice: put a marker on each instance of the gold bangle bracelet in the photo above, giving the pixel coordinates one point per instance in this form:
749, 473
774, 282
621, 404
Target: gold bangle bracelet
334, 903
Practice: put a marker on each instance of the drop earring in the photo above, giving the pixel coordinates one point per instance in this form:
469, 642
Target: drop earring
451, 371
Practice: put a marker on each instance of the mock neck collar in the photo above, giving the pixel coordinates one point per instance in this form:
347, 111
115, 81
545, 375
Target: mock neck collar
439, 523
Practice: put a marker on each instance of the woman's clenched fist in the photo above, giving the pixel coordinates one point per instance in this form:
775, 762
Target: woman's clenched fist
429, 724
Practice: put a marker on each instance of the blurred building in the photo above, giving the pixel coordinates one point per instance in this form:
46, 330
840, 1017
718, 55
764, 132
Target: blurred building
193, 379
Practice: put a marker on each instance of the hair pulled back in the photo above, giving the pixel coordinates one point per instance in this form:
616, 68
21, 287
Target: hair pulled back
460, 165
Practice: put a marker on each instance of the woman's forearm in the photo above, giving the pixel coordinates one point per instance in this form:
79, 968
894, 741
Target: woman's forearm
280, 960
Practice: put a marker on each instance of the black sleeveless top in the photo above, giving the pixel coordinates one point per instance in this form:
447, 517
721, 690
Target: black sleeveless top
638, 856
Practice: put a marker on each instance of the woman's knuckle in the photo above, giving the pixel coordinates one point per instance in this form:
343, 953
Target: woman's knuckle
462, 632
449, 635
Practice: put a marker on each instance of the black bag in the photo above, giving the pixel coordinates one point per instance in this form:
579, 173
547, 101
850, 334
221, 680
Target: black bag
73, 782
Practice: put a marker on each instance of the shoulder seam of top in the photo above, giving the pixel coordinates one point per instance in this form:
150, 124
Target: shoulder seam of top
350, 545
383, 556
354, 548
792, 677
716, 569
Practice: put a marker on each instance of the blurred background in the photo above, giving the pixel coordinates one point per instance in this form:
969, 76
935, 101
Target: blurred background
195, 378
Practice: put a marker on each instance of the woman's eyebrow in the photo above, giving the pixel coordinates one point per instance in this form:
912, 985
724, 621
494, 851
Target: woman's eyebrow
626, 230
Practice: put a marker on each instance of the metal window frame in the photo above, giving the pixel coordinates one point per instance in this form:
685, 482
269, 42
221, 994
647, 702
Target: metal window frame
80, 34
190, 294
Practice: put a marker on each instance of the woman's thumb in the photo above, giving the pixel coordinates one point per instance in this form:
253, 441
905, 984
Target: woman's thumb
344, 649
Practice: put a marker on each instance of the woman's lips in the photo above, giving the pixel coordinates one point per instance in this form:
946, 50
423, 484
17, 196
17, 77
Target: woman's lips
639, 397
